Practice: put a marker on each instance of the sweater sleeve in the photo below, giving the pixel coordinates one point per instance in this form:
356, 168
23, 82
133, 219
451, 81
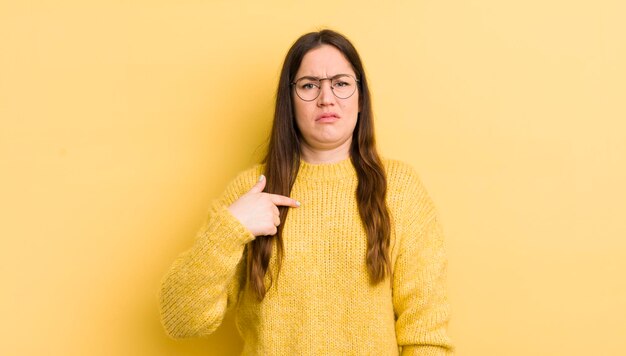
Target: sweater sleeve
419, 291
204, 281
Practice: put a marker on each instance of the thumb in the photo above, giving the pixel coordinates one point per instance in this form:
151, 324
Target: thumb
259, 186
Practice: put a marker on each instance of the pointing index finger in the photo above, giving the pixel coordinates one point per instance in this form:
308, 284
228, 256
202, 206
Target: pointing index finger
284, 201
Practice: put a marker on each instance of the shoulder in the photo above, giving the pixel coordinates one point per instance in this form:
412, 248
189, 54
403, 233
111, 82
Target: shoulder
405, 190
249, 175
397, 166
401, 175
242, 182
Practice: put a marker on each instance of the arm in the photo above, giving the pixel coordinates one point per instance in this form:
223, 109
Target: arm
204, 281
419, 292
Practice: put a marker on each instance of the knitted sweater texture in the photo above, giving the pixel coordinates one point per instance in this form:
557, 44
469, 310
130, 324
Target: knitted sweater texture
322, 303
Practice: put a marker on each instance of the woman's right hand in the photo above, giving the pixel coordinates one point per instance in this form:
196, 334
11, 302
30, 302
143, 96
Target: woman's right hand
258, 211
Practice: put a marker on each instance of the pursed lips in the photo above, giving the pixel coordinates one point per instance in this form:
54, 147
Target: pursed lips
327, 116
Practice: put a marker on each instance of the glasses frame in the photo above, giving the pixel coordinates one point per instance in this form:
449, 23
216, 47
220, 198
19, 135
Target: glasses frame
331, 86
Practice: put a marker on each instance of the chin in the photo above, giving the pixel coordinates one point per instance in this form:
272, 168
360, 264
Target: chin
331, 142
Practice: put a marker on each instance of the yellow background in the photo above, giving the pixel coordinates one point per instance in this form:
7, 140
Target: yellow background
121, 120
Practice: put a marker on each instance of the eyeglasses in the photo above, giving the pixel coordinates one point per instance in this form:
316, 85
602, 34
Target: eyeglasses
309, 88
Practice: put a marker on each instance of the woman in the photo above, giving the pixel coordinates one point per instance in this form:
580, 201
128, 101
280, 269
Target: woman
358, 267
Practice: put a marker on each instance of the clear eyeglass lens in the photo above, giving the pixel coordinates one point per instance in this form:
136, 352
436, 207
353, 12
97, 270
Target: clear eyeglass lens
342, 86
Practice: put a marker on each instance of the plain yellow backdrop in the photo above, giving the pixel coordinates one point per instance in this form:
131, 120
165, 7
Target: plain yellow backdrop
121, 120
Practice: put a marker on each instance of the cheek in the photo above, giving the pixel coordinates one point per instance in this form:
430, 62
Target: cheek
302, 111
352, 107
301, 116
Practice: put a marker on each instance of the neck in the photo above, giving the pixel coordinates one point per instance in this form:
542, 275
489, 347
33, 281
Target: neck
322, 155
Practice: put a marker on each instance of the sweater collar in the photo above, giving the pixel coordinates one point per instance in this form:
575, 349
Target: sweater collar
326, 171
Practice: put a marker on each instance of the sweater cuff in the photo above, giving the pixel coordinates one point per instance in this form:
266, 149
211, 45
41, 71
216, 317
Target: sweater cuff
223, 233
425, 350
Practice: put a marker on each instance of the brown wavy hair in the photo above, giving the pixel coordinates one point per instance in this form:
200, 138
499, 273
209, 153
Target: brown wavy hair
283, 161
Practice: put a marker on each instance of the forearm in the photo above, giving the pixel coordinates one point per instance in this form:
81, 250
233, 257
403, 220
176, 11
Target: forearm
193, 296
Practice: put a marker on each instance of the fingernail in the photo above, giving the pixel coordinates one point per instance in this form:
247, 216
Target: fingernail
297, 203
261, 177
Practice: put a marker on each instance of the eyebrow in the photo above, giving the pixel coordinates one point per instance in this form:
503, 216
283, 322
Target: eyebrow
318, 78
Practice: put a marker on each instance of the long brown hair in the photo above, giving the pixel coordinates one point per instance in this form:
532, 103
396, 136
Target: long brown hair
283, 161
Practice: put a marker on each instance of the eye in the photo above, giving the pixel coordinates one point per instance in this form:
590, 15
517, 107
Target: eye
308, 86
340, 84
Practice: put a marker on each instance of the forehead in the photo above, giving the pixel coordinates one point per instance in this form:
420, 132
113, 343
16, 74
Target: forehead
324, 61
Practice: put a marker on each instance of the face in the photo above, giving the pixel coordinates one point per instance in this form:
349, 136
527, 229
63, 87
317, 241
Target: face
327, 122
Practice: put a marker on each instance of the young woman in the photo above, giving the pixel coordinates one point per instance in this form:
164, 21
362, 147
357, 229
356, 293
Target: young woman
324, 248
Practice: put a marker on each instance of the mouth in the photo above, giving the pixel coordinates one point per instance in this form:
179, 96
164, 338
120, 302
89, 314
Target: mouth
327, 117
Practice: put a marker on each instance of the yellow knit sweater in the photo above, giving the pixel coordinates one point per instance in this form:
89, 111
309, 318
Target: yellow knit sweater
322, 303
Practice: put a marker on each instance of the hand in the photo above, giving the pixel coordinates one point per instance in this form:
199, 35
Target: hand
258, 211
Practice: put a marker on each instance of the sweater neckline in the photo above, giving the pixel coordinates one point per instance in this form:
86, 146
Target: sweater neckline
326, 171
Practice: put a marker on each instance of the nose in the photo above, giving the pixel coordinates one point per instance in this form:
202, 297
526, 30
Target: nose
327, 97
